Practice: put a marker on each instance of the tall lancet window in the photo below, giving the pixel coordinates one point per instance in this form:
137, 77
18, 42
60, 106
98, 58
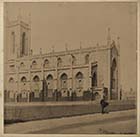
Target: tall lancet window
13, 42
114, 72
23, 48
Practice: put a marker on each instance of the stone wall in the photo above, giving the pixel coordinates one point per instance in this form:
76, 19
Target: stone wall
26, 112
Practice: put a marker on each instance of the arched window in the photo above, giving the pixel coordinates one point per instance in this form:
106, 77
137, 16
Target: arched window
11, 80
63, 80
36, 78
59, 62
13, 42
79, 80
73, 60
23, 49
49, 77
113, 71
11, 84
46, 63
50, 81
87, 59
36, 85
34, 64
22, 65
23, 79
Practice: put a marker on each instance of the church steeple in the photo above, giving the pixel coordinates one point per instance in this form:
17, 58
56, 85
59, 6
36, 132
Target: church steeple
18, 37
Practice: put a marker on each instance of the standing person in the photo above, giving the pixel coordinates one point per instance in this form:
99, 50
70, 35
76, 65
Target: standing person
103, 104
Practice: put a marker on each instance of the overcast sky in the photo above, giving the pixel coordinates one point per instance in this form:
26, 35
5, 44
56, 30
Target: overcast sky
60, 23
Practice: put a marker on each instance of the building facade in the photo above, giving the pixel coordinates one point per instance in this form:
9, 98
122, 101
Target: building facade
39, 77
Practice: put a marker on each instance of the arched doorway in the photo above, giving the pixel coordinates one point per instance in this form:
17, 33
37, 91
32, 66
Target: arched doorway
79, 80
23, 89
114, 80
63, 85
23, 84
11, 90
50, 85
36, 85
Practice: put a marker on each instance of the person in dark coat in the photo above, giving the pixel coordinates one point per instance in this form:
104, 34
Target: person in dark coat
103, 104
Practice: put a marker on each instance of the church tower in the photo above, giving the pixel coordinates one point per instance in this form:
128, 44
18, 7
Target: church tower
17, 38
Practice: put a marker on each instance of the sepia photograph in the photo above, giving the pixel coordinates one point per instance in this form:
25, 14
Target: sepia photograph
70, 68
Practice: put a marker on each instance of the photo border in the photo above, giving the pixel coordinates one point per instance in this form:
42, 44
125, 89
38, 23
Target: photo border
2, 134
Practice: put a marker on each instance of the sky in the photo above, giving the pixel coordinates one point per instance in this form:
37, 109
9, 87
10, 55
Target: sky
55, 24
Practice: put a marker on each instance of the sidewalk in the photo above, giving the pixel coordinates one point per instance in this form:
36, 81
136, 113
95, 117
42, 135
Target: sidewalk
34, 126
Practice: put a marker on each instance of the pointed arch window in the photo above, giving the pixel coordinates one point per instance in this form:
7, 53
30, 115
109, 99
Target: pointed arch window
50, 81
46, 63
11, 84
22, 65
23, 80
34, 64
36, 78
11, 80
23, 47
79, 80
36, 84
63, 80
113, 71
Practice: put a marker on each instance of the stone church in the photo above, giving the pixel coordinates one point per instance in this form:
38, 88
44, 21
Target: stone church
80, 73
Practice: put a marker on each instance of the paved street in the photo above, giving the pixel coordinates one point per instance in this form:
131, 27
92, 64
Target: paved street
114, 122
